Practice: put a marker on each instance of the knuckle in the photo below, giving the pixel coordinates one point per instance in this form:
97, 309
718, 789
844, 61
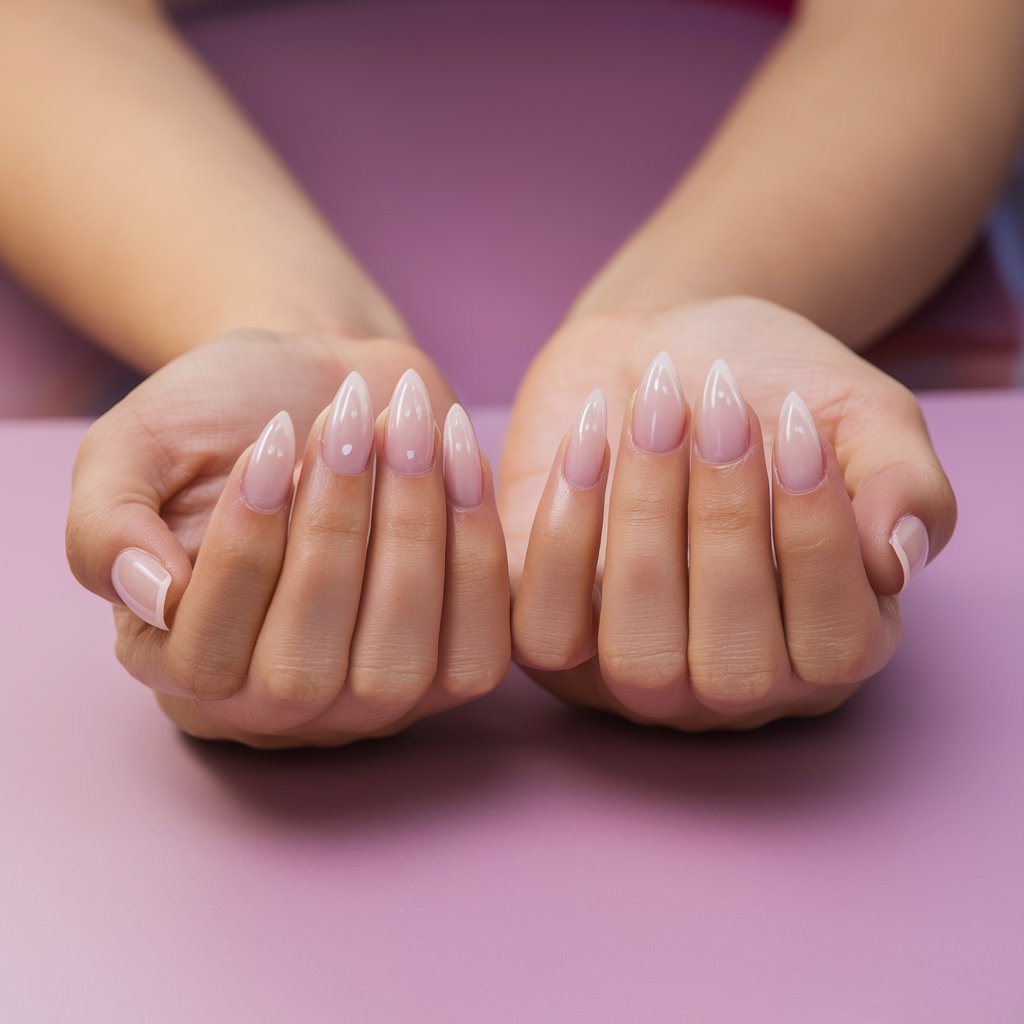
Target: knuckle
324, 527
392, 683
299, 684
731, 514
626, 667
206, 679
733, 679
244, 563
190, 718
468, 681
638, 570
420, 526
550, 650
640, 509
487, 571
833, 653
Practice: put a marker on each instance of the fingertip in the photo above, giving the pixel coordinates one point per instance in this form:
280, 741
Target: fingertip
905, 515
909, 540
142, 583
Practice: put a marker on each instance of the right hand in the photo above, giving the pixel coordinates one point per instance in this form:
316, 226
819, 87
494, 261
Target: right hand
283, 630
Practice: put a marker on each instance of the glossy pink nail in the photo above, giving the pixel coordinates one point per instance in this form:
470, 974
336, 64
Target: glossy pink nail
798, 458
659, 413
909, 539
268, 477
463, 474
142, 583
723, 431
585, 456
348, 432
409, 435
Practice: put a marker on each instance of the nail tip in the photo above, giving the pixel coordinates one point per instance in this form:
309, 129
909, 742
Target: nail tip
912, 562
151, 610
455, 412
409, 446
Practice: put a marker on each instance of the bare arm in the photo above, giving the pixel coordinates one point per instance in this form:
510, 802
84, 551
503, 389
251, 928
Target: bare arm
137, 199
852, 174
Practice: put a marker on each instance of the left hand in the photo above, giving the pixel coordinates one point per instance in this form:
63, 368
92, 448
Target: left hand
689, 620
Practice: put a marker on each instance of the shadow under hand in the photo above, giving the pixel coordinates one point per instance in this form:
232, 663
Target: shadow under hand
519, 743
790, 767
454, 763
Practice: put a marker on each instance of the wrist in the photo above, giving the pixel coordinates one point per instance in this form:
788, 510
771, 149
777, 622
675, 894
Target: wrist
337, 319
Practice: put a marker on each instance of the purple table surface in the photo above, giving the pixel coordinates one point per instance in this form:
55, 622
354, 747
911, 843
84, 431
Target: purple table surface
517, 860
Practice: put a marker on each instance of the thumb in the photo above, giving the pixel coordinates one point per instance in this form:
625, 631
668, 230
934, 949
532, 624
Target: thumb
902, 498
117, 544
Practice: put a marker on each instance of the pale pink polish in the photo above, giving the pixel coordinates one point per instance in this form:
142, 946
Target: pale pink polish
659, 412
142, 583
723, 431
463, 474
909, 539
585, 456
798, 458
268, 477
409, 435
348, 432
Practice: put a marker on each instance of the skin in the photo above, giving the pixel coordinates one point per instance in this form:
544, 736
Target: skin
294, 619
881, 178
732, 640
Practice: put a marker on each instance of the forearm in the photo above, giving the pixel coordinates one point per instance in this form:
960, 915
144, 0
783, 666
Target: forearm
137, 199
850, 177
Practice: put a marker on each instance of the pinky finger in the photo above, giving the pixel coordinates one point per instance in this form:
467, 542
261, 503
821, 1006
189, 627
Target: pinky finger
837, 630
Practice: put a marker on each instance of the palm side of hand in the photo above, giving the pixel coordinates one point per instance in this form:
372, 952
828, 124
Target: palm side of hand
873, 432
198, 413
770, 350
317, 592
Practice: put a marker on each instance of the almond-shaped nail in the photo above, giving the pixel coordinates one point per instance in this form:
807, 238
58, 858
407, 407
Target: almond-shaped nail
463, 474
585, 456
723, 430
142, 583
798, 458
268, 477
909, 539
348, 432
409, 434
659, 412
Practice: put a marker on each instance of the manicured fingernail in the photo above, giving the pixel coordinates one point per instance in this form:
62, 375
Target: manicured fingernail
348, 432
723, 432
659, 413
909, 540
409, 435
463, 474
585, 456
142, 583
268, 477
797, 447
